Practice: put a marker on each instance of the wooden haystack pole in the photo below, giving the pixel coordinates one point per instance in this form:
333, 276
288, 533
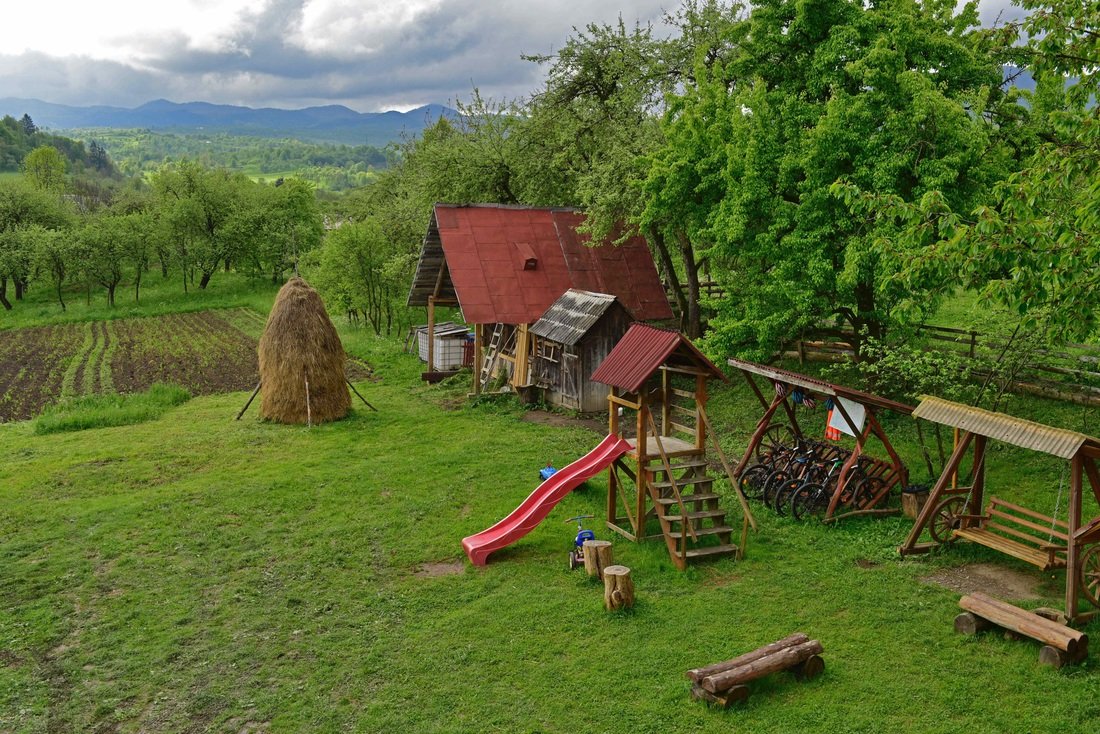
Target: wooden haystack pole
302, 360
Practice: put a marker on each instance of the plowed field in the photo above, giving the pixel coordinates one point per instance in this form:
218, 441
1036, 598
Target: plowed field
206, 352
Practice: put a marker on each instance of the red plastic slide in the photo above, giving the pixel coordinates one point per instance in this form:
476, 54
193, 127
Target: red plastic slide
538, 504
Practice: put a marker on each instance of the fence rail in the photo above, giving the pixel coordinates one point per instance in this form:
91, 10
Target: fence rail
1071, 373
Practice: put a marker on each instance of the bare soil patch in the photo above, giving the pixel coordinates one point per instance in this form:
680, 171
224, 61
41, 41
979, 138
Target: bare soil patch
434, 570
998, 581
206, 352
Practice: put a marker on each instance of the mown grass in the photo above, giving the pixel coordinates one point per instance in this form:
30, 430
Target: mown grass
110, 409
196, 573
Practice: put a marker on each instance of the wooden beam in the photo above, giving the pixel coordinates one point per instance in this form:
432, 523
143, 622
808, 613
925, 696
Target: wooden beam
431, 333
910, 545
479, 345
1073, 555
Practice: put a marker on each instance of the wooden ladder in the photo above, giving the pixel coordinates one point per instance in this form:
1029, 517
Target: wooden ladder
491, 352
688, 508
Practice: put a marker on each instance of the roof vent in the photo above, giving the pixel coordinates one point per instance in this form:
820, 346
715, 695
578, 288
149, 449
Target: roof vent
527, 253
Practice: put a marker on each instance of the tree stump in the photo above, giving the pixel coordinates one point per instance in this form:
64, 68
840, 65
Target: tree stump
597, 557
618, 588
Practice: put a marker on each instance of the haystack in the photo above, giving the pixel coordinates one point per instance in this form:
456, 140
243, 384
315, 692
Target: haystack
301, 360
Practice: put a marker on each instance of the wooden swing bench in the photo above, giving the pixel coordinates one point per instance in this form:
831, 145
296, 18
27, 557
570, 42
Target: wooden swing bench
1013, 530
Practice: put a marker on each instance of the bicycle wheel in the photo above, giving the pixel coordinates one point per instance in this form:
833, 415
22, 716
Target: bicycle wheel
867, 490
752, 481
782, 500
810, 499
777, 439
772, 485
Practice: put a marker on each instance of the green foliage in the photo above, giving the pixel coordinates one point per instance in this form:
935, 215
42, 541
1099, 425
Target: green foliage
44, 168
889, 96
363, 273
18, 138
906, 371
332, 167
103, 411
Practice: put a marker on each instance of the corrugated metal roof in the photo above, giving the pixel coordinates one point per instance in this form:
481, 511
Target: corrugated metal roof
819, 386
571, 316
642, 351
1001, 427
482, 250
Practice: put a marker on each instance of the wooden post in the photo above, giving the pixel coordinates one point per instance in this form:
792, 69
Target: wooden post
479, 336
1073, 520
618, 588
700, 405
431, 334
666, 402
643, 472
977, 479
254, 394
597, 557
309, 411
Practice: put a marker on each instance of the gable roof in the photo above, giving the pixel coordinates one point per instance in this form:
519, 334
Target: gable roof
571, 316
508, 264
643, 350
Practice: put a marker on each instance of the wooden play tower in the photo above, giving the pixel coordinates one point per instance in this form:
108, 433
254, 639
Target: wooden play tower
662, 487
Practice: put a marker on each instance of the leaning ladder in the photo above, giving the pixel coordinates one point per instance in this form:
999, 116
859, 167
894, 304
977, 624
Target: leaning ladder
491, 352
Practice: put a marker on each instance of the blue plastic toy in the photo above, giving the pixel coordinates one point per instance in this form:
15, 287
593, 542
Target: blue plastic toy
547, 472
576, 555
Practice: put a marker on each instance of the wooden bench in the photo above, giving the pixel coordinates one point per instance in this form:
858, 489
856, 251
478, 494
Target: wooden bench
1061, 644
724, 683
1019, 532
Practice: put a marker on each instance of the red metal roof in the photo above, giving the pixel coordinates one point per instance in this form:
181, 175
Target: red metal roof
642, 351
487, 247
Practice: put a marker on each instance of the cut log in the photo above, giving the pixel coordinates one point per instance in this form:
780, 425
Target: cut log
597, 557
1026, 623
971, 624
781, 660
724, 699
698, 674
618, 588
809, 668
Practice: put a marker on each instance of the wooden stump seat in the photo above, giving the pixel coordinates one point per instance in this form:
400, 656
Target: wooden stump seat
1061, 644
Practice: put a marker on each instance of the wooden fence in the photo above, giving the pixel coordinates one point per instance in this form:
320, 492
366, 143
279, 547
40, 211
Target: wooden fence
1071, 373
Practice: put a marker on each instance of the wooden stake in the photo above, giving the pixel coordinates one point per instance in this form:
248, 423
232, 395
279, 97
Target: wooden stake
597, 557
309, 411
254, 394
360, 396
618, 588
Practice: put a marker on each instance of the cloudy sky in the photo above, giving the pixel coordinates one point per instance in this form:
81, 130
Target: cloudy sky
366, 54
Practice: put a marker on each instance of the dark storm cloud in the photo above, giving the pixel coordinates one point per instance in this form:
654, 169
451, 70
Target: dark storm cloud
275, 57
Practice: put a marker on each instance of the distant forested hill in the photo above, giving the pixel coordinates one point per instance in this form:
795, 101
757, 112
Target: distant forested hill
18, 137
328, 124
333, 167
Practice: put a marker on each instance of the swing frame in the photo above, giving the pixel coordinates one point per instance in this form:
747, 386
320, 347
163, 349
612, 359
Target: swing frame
975, 519
892, 471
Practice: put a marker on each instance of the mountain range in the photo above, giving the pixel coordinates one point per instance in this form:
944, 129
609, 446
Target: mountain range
329, 124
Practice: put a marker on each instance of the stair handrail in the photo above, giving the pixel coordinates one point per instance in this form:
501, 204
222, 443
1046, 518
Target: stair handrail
726, 465
688, 523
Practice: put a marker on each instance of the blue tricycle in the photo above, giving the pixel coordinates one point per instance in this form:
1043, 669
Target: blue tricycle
576, 555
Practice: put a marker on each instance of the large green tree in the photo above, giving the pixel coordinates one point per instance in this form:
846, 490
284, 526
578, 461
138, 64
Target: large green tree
895, 97
22, 206
1035, 246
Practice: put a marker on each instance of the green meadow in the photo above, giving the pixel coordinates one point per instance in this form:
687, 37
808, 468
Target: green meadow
191, 572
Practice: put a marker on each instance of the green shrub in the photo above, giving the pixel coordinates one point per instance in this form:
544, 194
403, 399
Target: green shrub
101, 411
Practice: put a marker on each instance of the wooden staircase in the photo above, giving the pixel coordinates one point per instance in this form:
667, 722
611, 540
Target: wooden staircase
693, 524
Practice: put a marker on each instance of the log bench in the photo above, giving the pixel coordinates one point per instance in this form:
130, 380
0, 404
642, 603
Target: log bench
1061, 644
724, 683
1019, 532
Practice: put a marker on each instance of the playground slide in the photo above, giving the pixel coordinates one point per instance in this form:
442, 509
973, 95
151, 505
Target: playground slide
538, 504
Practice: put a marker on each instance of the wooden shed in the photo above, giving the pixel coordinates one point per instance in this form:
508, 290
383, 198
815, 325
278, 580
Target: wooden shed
572, 338
504, 266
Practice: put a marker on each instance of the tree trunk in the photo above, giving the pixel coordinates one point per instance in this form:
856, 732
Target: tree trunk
781, 660
60, 299
694, 323
4, 293
664, 257
137, 287
111, 295
20, 286
204, 280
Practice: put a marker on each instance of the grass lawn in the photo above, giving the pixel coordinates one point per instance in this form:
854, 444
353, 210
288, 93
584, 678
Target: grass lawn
194, 573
